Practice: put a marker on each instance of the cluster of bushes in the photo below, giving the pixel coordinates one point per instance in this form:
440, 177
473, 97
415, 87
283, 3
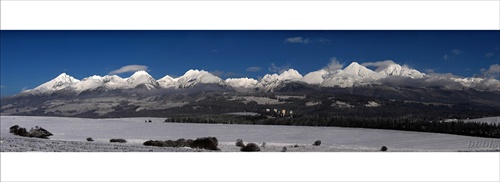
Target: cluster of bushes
249, 147
118, 140
209, 143
37, 132
169, 143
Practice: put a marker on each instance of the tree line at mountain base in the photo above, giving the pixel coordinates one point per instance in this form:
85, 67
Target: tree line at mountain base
402, 123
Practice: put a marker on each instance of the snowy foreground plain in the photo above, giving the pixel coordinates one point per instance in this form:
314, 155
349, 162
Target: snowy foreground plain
70, 136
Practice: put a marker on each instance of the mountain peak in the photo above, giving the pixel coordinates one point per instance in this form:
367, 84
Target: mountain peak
194, 76
356, 69
142, 78
140, 73
60, 82
65, 77
167, 81
291, 74
398, 70
63, 74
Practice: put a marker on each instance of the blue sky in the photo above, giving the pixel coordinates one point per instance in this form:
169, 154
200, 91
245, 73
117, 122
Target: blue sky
30, 58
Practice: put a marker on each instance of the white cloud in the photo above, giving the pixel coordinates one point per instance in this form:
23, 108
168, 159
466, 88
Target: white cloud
380, 64
446, 57
492, 72
217, 73
429, 71
253, 69
299, 40
452, 53
323, 40
129, 68
278, 69
456, 51
333, 65
489, 55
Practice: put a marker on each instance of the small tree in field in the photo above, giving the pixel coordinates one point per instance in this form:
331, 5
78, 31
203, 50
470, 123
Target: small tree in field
317, 143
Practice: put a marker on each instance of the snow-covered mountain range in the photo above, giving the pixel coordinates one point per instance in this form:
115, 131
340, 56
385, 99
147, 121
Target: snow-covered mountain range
351, 76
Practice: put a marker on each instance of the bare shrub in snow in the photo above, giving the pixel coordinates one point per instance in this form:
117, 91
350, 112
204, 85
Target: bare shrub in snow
39, 132
169, 143
16, 130
239, 143
283, 149
384, 148
250, 147
317, 143
118, 140
156, 143
181, 143
209, 143
13, 129
263, 145
90, 139
189, 142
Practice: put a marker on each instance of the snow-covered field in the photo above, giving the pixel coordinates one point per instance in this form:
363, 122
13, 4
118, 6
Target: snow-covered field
70, 135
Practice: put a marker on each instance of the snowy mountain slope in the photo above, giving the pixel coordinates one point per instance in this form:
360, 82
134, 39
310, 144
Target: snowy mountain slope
88, 83
315, 77
403, 71
194, 77
356, 70
109, 82
59, 83
353, 75
167, 82
142, 78
270, 82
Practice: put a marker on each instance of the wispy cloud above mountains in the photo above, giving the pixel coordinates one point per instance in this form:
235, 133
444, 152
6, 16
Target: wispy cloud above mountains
129, 68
